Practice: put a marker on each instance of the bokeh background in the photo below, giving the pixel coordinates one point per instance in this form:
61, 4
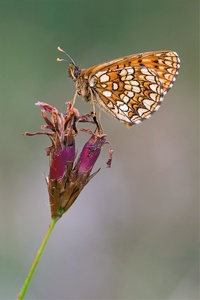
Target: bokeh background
133, 231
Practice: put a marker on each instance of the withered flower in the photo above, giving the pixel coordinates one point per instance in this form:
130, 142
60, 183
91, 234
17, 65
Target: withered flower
68, 175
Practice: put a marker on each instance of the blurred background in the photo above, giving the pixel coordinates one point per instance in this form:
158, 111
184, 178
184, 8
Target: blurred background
133, 231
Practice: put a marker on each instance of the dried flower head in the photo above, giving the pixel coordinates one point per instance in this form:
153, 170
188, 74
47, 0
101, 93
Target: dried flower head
68, 175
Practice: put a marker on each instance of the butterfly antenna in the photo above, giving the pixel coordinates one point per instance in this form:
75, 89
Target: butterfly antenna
61, 59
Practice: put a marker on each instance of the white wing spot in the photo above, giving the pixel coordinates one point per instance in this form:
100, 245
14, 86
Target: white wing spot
122, 117
104, 78
126, 99
123, 72
121, 96
162, 80
170, 70
145, 71
168, 63
107, 93
110, 104
134, 119
124, 107
115, 86
153, 96
148, 103
128, 87
119, 102
136, 89
167, 76
130, 71
141, 111
154, 87
100, 73
129, 77
134, 82
104, 85
129, 94
150, 78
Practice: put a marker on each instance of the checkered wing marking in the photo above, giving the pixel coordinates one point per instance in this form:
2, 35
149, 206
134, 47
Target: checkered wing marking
132, 88
130, 95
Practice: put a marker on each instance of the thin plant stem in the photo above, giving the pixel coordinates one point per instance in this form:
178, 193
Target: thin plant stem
36, 260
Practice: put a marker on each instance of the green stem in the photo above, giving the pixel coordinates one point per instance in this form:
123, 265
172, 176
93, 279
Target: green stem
36, 260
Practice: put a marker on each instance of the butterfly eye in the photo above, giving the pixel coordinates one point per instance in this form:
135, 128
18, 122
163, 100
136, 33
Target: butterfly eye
74, 71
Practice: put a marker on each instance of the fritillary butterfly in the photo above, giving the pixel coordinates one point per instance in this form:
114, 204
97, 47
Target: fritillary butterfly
130, 88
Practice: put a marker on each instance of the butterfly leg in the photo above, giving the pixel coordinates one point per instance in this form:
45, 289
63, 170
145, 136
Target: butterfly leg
97, 122
74, 99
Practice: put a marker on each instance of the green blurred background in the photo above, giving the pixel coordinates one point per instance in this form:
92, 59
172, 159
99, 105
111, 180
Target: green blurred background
133, 231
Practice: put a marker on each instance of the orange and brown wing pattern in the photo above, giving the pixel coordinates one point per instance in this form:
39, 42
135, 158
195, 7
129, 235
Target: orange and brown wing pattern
165, 63
130, 95
131, 88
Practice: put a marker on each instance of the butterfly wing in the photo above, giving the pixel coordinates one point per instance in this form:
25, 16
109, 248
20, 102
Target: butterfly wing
131, 88
129, 95
165, 63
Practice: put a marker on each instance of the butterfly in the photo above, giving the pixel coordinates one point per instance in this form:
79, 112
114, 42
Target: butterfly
130, 88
